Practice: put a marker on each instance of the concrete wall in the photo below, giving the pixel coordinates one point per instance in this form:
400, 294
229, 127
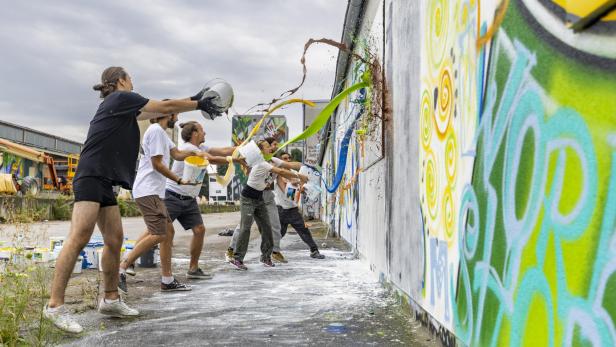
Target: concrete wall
494, 208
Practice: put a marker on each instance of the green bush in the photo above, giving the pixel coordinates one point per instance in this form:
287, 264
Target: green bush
128, 208
61, 208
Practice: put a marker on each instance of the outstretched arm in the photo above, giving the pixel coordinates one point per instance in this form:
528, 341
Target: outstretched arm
221, 151
156, 108
291, 165
289, 174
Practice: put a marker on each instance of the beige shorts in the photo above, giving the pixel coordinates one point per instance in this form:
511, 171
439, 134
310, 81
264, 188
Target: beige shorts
154, 214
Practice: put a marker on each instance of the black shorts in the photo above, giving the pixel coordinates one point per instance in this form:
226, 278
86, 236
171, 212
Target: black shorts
95, 189
183, 208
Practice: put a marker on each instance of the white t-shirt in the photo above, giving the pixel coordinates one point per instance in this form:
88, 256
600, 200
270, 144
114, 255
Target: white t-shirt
282, 199
178, 169
260, 177
149, 181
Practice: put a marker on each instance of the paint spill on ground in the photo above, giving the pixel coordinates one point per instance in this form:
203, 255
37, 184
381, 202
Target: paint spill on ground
301, 302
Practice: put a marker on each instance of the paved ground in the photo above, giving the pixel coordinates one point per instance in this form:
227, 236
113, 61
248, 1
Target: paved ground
331, 302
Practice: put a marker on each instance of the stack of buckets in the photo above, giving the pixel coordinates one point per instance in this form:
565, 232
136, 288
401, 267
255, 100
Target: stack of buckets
91, 256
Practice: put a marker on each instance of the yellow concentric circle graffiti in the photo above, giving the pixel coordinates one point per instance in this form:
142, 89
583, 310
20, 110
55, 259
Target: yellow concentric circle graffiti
451, 157
431, 184
436, 44
445, 102
448, 213
426, 119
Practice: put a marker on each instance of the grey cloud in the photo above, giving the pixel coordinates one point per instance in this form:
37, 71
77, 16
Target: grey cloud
53, 52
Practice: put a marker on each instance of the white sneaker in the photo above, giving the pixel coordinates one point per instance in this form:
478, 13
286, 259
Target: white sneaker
116, 309
131, 270
62, 319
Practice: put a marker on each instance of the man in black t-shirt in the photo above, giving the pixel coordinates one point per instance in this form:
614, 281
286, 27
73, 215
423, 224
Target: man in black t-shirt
108, 159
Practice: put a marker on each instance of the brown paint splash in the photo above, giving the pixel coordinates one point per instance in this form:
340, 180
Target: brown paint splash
341, 46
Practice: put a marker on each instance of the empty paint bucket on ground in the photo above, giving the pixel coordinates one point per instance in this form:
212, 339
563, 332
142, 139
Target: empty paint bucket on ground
78, 265
251, 153
91, 255
147, 259
55, 242
194, 169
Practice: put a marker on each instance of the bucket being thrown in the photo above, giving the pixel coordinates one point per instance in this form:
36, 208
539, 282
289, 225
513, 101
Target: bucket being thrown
221, 93
194, 169
251, 153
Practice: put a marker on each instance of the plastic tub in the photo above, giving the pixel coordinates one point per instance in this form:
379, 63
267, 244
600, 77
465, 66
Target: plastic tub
194, 169
251, 153
78, 265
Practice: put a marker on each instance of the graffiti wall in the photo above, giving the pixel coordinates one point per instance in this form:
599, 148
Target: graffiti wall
13, 164
499, 173
517, 129
363, 180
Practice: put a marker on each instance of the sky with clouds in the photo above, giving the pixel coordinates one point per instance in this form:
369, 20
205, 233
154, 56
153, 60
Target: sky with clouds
53, 52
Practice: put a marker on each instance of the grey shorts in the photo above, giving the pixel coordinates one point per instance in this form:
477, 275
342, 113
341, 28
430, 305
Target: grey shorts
183, 208
154, 214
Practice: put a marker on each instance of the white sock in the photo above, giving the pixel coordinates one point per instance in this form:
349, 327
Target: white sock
109, 301
167, 280
122, 271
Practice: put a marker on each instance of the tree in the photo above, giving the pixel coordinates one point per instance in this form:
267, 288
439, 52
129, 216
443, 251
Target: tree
297, 155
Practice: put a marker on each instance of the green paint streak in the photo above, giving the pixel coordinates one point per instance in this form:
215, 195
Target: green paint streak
525, 172
320, 121
572, 189
609, 297
579, 340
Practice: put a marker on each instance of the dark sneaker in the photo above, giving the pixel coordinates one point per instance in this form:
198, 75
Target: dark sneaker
122, 287
316, 255
277, 256
174, 286
131, 270
198, 275
238, 264
267, 263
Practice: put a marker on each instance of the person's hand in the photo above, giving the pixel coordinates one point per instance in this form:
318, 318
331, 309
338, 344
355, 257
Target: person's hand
241, 161
199, 95
201, 154
303, 178
182, 182
209, 107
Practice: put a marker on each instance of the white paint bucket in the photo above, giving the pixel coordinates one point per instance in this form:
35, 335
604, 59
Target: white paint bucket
91, 256
194, 169
251, 153
56, 242
78, 265
221, 93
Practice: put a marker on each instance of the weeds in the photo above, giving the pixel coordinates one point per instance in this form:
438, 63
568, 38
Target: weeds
24, 286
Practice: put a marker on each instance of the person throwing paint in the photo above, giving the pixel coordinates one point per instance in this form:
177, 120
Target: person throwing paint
253, 207
288, 212
108, 159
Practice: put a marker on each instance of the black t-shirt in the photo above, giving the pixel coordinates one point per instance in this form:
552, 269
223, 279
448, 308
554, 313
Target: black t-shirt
112, 145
